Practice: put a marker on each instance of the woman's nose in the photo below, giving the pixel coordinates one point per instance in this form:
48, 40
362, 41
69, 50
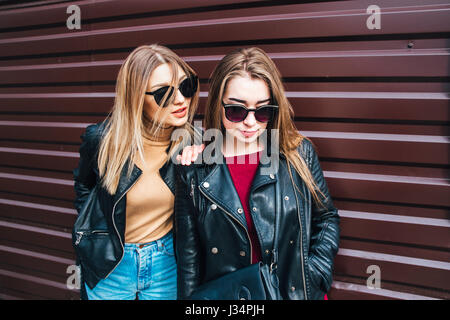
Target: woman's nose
250, 120
179, 98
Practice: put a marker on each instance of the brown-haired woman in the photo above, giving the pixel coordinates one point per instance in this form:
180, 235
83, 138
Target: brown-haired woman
225, 211
125, 180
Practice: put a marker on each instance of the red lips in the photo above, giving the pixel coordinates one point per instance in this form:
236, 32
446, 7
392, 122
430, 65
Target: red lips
180, 113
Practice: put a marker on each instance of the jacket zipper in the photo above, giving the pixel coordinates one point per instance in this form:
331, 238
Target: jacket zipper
228, 213
115, 228
301, 238
80, 234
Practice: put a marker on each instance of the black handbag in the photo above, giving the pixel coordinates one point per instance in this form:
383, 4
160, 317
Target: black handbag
255, 282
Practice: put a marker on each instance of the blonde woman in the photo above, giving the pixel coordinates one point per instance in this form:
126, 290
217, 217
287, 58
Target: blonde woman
125, 180
225, 211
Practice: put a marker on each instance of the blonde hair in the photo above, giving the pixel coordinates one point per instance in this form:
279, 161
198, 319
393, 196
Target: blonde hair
255, 63
122, 140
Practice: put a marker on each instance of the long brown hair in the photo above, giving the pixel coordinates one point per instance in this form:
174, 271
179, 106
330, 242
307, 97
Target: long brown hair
255, 63
127, 122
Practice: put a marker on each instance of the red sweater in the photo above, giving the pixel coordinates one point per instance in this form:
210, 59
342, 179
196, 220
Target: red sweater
243, 169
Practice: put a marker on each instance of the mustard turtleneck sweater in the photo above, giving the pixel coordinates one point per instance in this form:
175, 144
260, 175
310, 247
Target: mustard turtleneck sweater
150, 202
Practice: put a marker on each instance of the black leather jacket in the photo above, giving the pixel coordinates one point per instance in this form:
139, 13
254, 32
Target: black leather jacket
98, 237
212, 237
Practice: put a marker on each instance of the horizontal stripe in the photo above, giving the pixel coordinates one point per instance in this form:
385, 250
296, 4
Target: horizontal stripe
386, 178
23, 227
36, 179
379, 292
37, 255
368, 95
57, 95
63, 65
394, 218
39, 152
40, 281
394, 258
44, 124
289, 94
38, 206
376, 136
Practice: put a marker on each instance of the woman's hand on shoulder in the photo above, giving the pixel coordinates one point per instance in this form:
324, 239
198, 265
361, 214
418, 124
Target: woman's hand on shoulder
190, 154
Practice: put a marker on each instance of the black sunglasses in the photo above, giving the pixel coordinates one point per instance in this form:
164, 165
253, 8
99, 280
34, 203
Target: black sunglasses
188, 88
238, 112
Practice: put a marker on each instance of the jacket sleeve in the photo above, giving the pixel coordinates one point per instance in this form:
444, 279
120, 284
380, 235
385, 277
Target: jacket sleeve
84, 175
324, 240
187, 240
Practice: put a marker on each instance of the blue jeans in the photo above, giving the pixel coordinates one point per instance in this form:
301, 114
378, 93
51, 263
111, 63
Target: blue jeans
147, 271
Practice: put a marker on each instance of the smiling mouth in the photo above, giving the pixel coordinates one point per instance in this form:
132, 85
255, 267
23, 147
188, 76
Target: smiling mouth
248, 133
181, 110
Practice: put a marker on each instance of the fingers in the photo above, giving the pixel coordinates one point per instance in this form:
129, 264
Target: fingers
190, 154
194, 156
187, 157
197, 151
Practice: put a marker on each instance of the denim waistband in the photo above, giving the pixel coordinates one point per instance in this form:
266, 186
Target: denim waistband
156, 244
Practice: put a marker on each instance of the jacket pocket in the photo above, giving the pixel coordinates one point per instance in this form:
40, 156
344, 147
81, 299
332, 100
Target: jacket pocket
95, 250
84, 234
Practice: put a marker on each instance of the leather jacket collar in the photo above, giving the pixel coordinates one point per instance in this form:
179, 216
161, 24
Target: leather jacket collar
219, 188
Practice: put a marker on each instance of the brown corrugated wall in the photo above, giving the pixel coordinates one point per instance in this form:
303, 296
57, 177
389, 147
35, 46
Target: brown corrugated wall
374, 101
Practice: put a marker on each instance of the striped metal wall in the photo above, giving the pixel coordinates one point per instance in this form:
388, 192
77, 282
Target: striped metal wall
374, 101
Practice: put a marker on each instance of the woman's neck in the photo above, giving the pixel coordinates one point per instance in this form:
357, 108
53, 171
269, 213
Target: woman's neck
161, 134
155, 132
